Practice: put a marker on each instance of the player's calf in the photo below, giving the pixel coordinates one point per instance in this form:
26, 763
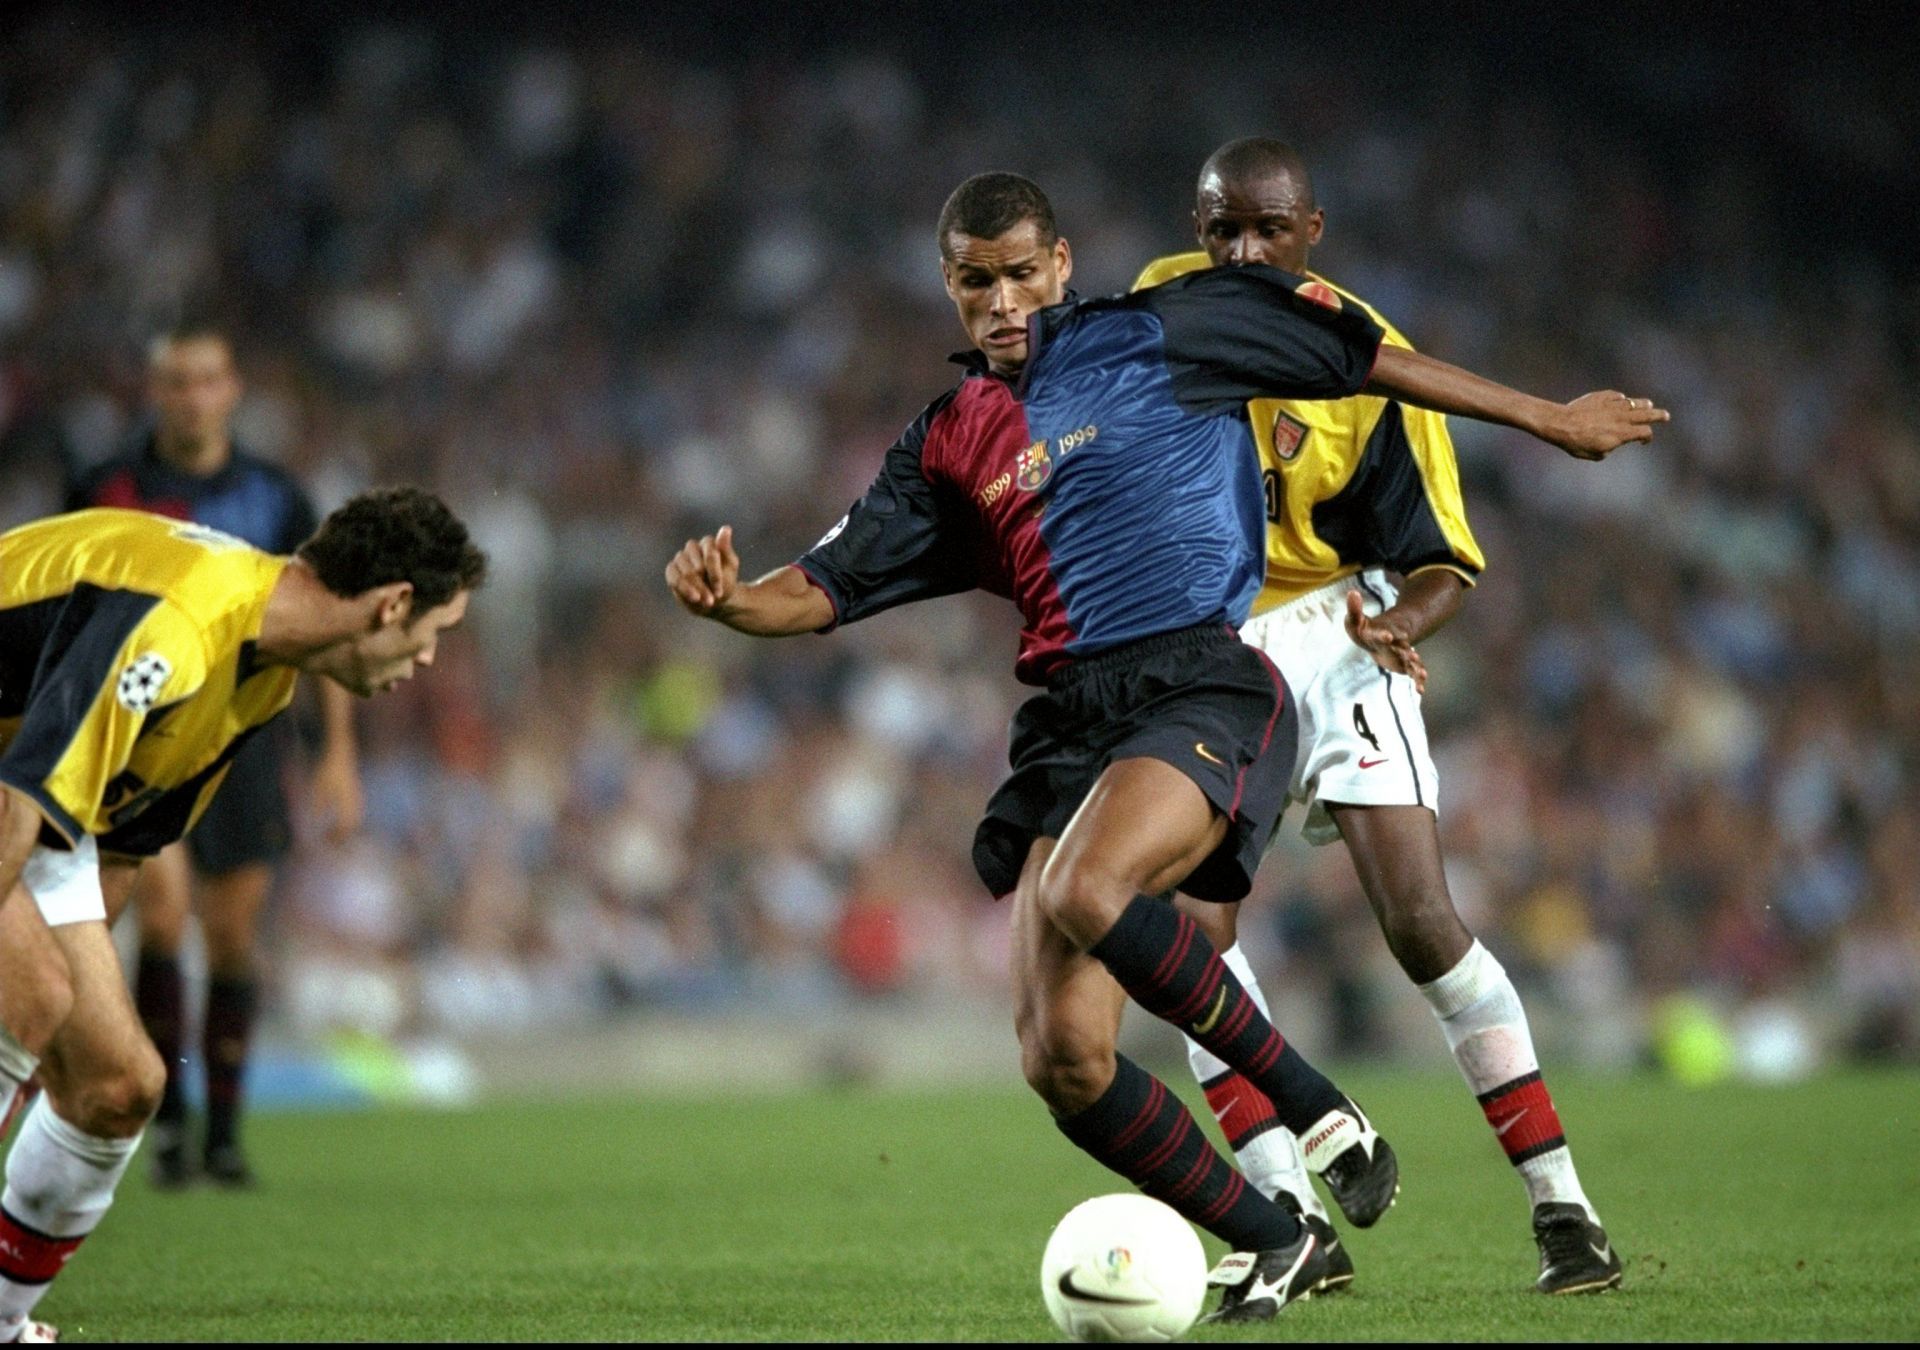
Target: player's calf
1142, 1131
60, 1183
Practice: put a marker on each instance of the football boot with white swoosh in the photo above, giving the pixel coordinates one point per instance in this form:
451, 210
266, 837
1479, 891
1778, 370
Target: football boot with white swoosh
1575, 1255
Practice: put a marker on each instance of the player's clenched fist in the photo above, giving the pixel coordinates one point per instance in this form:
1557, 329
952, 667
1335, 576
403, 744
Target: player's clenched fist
1597, 424
705, 572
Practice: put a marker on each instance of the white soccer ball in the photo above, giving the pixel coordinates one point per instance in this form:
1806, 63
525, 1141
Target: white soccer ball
1123, 1268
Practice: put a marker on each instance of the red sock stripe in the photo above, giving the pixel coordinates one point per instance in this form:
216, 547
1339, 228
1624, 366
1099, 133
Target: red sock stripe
1195, 1005
27, 1257
1229, 1197
1242, 1109
1163, 1152
1183, 930
1237, 1019
1523, 1118
1156, 1097
1202, 1163
1268, 1054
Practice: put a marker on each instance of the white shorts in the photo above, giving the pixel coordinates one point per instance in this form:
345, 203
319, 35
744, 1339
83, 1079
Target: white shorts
66, 885
1362, 741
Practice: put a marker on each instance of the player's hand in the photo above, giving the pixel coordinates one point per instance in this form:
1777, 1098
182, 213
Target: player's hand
705, 573
1387, 645
337, 796
1594, 425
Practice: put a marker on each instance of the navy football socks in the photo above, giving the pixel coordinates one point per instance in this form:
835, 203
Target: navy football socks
1140, 1130
1171, 969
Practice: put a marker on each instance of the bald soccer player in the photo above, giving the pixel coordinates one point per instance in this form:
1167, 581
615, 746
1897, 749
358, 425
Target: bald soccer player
1357, 488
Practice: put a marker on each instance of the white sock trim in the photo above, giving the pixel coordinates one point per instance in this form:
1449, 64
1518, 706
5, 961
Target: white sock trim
1462, 986
97, 1149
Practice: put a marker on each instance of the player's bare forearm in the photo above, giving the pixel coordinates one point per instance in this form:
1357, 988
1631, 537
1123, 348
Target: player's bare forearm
1590, 427
704, 577
1428, 601
780, 604
337, 724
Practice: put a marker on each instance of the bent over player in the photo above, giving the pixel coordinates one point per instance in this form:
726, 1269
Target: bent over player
1353, 487
1094, 466
189, 466
137, 656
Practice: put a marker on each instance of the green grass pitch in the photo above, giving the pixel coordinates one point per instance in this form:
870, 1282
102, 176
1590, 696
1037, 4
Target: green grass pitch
1744, 1213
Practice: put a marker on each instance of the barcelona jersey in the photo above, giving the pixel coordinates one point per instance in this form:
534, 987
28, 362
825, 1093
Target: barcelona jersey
247, 497
1112, 492
128, 675
1349, 483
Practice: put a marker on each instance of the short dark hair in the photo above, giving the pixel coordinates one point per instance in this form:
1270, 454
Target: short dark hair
1258, 157
987, 205
396, 534
199, 329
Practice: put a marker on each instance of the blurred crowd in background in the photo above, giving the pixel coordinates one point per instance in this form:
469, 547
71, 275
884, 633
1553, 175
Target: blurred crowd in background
607, 289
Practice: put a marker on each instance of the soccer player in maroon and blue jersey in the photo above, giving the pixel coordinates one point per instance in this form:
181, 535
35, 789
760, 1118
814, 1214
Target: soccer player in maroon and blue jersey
1094, 465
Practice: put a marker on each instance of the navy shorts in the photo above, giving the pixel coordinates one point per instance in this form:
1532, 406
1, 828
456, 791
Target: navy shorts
1199, 699
247, 821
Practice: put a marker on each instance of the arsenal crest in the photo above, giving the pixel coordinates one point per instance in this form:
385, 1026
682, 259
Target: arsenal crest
1320, 294
1033, 467
1288, 435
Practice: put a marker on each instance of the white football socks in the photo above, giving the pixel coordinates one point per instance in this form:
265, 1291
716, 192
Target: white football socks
1270, 1160
1486, 1028
60, 1182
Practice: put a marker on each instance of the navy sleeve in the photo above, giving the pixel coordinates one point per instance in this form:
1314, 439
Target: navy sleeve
301, 519
1385, 513
905, 540
81, 489
1239, 333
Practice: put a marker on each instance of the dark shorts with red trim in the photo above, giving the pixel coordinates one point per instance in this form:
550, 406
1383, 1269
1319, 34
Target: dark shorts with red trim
1199, 699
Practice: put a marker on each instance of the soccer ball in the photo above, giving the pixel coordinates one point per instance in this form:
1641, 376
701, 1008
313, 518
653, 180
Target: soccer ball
1123, 1268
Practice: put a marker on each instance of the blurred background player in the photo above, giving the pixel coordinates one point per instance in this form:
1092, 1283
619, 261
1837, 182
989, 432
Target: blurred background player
137, 656
187, 465
1356, 487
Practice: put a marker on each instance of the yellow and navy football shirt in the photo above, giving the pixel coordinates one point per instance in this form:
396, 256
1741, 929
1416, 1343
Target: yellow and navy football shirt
1350, 483
128, 679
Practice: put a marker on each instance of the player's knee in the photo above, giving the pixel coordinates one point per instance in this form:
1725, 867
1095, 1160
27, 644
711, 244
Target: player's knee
1080, 900
1068, 1067
1426, 936
120, 1099
229, 949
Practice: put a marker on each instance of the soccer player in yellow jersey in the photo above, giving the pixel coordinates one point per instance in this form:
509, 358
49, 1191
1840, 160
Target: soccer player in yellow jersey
1356, 488
137, 655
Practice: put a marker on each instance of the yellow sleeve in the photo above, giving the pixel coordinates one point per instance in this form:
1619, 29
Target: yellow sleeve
122, 667
1169, 267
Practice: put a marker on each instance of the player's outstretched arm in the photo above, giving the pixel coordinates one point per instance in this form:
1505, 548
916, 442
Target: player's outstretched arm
1590, 427
704, 577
